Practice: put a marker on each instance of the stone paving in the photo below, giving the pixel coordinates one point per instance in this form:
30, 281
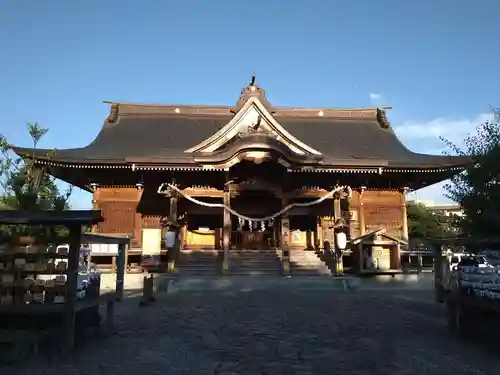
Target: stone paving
279, 332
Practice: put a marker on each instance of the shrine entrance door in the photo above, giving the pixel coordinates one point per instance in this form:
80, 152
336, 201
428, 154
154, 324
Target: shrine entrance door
255, 234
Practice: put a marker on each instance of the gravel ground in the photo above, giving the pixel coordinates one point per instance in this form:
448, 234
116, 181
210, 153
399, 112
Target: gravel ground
278, 332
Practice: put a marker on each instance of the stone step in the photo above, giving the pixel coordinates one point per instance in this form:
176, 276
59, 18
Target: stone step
256, 256
252, 253
307, 264
256, 260
197, 265
254, 273
253, 257
309, 270
190, 271
253, 261
262, 269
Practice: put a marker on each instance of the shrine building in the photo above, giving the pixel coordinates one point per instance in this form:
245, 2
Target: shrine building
232, 168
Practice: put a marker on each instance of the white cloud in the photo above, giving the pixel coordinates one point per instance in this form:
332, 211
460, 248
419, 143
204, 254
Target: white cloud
423, 136
452, 129
433, 194
375, 98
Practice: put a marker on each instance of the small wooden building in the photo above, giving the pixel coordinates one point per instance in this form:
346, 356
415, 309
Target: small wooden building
256, 159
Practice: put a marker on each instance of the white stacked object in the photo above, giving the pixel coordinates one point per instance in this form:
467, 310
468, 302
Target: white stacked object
483, 281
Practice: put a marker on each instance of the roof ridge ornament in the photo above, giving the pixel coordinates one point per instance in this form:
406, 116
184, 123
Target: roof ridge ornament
114, 113
252, 91
382, 118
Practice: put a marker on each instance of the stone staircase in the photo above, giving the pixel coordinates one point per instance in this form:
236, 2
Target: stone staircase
263, 262
307, 263
204, 263
254, 262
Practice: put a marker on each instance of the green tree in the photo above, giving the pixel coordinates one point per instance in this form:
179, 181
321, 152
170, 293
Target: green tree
25, 185
477, 188
426, 225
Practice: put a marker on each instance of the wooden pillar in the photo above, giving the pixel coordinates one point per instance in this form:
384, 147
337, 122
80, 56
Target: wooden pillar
362, 225
226, 229
183, 237
324, 232
276, 232
285, 239
337, 212
113, 264
173, 206
398, 256
361, 260
95, 206
309, 240
75, 234
126, 258
337, 215
121, 270
404, 214
172, 216
316, 233
438, 273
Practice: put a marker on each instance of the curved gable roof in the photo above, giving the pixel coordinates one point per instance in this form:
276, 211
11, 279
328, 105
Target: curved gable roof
164, 133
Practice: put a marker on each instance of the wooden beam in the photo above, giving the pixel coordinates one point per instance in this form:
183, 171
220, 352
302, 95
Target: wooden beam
307, 193
204, 192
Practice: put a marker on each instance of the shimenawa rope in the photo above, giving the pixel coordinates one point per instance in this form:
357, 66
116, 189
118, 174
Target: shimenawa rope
235, 213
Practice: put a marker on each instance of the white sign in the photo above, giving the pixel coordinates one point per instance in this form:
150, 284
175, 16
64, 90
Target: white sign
104, 249
151, 241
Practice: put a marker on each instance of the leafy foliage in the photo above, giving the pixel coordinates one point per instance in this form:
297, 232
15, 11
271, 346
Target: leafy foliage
477, 188
427, 225
24, 183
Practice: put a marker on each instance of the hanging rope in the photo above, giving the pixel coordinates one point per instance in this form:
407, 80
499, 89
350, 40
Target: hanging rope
328, 195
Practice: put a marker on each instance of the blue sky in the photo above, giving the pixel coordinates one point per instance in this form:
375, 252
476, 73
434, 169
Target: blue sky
435, 62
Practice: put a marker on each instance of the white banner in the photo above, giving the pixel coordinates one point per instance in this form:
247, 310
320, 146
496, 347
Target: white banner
103, 249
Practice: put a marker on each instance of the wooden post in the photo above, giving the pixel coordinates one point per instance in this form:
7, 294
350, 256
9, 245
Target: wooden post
337, 214
109, 323
404, 214
226, 229
398, 256
173, 216
126, 259
113, 264
147, 291
120, 270
324, 232
438, 273
361, 260
75, 234
285, 239
173, 205
316, 234
285, 245
95, 206
362, 225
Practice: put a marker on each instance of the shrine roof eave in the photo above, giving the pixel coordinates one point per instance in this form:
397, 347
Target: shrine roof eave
430, 162
69, 158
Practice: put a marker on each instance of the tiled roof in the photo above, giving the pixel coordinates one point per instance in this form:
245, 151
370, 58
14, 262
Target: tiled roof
165, 136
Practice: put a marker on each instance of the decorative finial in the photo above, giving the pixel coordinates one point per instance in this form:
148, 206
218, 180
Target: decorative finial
252, 90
